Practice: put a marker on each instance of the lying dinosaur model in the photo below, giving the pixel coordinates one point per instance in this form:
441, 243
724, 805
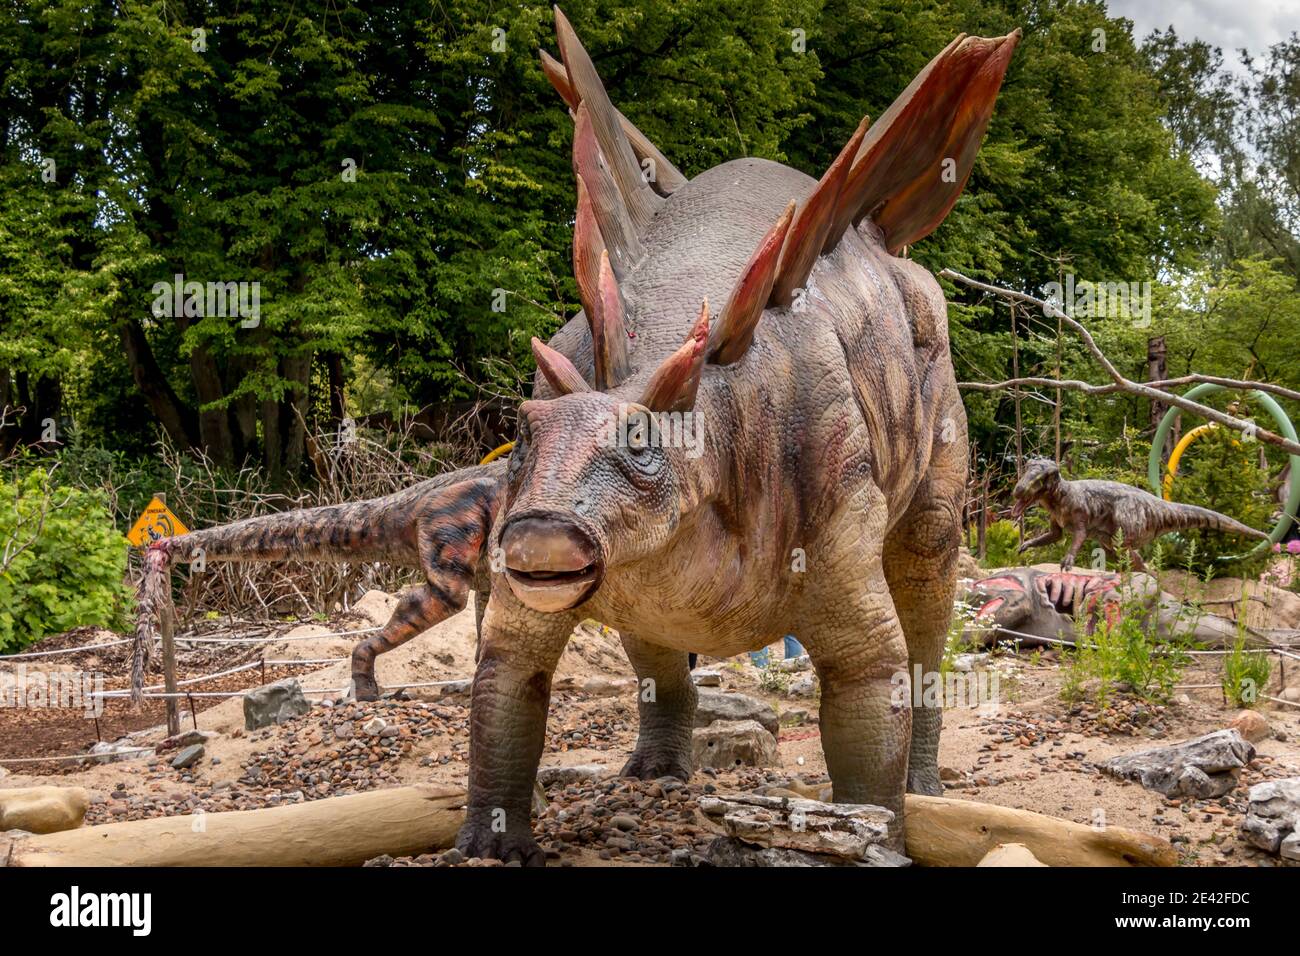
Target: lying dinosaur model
1113, 514
1032, 607
438, 526
825, 495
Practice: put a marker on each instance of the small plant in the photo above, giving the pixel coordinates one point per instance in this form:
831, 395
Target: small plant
1245, 672
1126, 655
1001, 545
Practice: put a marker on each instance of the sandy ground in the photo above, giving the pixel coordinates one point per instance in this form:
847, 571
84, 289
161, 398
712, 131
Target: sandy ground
1032, 752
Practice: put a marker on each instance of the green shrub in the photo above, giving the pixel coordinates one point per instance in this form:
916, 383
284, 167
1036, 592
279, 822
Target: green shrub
1001, 539
1245, 672
1221, 471
59, 571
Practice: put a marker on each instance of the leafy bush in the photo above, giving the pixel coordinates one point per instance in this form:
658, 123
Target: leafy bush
1221, 471
61, 561
1245, 672
1001, 541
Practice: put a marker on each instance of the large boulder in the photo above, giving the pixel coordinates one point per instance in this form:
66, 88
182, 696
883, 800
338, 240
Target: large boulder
1273, 817
274, 704
728, 744
719, 705
43, 809
1204, 767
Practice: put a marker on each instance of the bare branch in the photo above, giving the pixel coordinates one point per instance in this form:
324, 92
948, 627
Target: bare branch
1119, 383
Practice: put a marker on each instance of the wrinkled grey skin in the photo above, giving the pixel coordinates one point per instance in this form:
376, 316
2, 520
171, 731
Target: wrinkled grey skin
826, 503
1115, 515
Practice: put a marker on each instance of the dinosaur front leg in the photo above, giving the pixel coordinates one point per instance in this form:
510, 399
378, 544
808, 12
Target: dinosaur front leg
666, 705
861, 658
1076, 542
1050, 536
512, 689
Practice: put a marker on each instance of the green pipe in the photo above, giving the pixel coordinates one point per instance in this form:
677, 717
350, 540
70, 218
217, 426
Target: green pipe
1155, 461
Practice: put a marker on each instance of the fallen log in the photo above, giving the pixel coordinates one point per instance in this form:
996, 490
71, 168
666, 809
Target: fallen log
339, 831
43, 809
944, 832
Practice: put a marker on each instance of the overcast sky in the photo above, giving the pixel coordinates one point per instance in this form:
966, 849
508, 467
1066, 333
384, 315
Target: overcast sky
1228, 24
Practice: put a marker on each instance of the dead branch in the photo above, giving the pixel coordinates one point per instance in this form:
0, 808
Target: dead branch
1120, 383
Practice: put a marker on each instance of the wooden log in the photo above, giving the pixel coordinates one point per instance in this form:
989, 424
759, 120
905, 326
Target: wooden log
339, 831
43, 809
944, 832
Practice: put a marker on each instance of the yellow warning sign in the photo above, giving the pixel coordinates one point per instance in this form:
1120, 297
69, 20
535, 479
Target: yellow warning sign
156, 522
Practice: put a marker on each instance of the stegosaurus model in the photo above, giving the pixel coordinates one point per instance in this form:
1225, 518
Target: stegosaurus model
438, 526
823, 495
1113, 514
820, 491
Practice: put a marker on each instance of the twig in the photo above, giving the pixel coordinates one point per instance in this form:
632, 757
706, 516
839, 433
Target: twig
1119, 382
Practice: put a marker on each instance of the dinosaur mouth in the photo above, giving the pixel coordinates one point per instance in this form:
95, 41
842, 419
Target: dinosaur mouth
1019, 507
550, 564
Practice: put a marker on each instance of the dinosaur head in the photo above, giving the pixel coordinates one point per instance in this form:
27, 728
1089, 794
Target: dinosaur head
1041, 475
595, 480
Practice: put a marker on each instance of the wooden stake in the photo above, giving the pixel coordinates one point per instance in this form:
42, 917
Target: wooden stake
167, 630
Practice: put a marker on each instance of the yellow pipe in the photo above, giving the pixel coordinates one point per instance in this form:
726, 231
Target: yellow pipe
497, 452
1171, 469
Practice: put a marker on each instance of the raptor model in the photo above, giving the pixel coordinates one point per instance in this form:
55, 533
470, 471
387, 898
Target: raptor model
1113, 514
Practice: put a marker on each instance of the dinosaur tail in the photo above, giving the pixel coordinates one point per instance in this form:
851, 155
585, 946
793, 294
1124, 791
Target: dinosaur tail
1176, 517
380, 529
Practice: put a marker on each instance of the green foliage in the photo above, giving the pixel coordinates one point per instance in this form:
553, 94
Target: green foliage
1126, 657
1001, 545
62, 563
1221, 471
1245, 672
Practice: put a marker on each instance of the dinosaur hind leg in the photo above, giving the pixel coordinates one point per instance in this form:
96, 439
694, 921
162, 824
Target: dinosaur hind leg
920, 563
418, 610
666, 707
451, 535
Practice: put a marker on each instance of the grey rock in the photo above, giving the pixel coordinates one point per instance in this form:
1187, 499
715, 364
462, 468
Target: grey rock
457, 688
805, 685
1273, 817
1203, 767
728, 851
188, 757
274, 704
727, 744
793, 664
374, 727
564, 776
718, 705
706, 678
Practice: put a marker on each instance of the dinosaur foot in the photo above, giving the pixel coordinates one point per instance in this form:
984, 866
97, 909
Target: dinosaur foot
481, 840
652, 766
925, 782
364, 686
